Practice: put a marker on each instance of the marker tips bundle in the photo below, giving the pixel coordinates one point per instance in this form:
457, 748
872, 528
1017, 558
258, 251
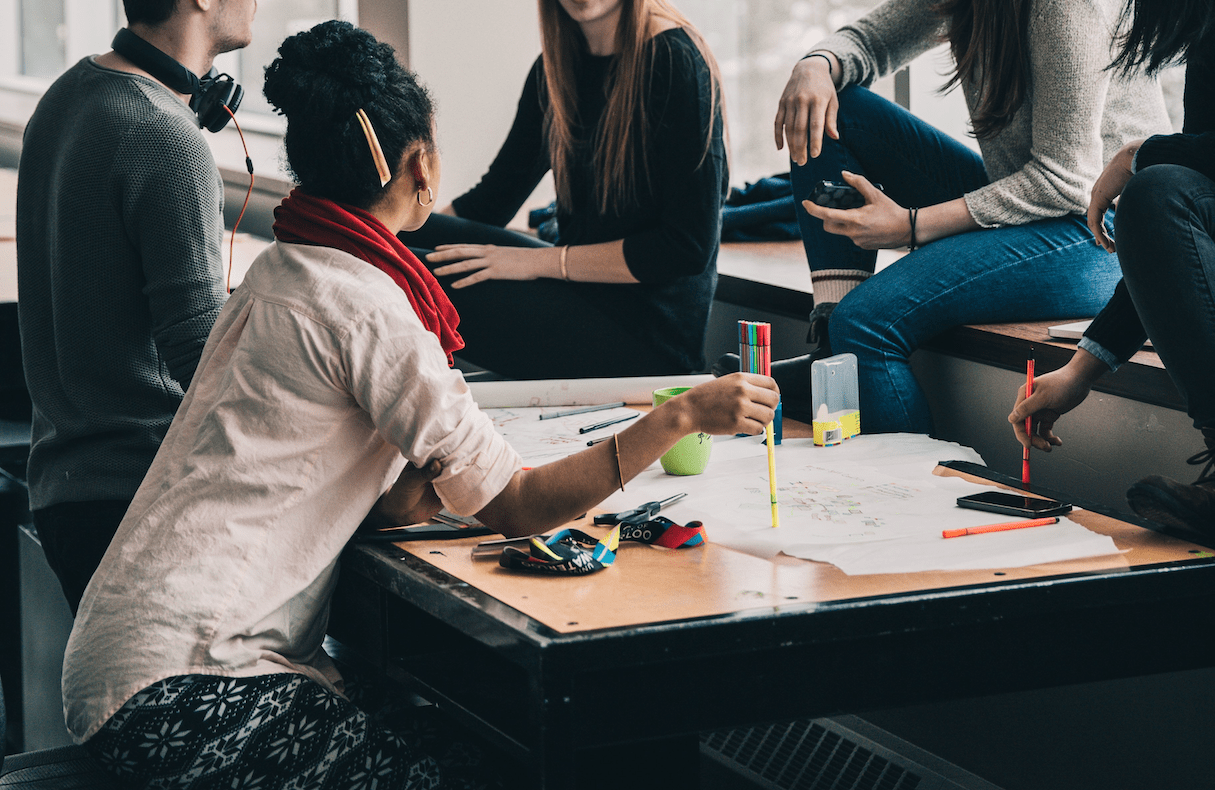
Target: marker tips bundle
755, 353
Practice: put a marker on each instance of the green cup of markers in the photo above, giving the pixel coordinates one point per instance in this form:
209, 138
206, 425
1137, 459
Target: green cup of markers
689, 455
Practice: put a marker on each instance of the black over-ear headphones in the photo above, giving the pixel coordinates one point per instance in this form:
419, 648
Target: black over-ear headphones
208, 95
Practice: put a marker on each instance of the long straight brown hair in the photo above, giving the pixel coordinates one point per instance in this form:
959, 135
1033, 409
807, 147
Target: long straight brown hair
990, 40
622, 128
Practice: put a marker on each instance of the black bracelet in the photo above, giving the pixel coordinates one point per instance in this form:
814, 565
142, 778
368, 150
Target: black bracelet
912, 214
830, 70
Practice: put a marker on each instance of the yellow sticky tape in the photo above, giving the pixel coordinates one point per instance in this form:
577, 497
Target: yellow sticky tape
837, 427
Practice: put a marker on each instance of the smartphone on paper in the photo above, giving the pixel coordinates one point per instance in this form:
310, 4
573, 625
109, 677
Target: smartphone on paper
1011, 504
832, 194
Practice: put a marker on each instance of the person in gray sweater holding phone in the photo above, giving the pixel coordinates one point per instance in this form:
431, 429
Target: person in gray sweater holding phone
996, 236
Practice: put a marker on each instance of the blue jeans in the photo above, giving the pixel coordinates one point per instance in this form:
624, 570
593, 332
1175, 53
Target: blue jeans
1166, 217
1048, 269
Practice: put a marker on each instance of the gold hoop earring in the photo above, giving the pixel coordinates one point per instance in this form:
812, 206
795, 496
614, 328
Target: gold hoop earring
430, 197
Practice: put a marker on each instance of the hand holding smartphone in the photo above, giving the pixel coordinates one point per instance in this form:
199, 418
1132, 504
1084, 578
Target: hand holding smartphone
832, 194
1012, 504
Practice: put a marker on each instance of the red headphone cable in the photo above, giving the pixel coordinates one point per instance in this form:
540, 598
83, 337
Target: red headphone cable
248, 194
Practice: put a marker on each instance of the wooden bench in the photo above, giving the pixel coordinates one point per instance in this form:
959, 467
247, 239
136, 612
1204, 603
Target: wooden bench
1142, 378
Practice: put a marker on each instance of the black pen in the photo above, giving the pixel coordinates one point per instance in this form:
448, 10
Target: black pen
594, 442
597, 426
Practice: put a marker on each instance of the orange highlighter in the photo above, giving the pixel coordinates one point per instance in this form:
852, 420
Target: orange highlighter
1033, 522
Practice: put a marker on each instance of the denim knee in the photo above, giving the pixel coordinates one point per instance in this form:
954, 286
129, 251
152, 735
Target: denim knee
858, 99
1158, 199
851, 327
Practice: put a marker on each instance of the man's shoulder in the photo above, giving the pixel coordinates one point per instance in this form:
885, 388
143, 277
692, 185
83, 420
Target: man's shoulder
99, 101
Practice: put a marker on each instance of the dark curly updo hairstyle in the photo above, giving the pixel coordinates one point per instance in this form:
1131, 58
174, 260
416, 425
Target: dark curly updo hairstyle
320, 78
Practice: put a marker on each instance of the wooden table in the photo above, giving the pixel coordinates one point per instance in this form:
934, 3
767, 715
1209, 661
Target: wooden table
628, 664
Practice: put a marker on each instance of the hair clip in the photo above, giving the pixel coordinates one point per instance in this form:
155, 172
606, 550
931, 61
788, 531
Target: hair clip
373, 142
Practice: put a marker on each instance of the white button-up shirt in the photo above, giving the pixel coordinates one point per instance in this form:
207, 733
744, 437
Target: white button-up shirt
317, 384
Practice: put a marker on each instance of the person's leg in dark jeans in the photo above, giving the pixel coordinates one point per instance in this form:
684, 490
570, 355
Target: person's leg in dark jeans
1164, 227
1048, 269
74, 537
537, 329
446, 229
916, 164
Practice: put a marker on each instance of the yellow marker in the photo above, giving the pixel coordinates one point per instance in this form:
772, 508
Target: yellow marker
772, 474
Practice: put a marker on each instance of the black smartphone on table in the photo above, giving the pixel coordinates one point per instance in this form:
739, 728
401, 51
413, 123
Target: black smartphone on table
1011, 504
832, 194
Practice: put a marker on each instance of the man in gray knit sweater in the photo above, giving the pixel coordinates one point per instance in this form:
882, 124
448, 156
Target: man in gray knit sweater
119, 229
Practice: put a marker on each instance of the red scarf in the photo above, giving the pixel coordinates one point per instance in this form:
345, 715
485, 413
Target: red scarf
304, 219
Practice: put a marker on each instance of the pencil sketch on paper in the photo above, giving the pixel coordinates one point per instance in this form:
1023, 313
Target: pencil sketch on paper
542, 441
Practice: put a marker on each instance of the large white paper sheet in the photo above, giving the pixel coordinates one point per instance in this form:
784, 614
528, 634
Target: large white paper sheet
1066, 540
871, 505
542, 441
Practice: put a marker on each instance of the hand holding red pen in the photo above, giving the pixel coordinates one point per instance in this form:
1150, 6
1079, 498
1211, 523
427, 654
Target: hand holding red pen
1054, 394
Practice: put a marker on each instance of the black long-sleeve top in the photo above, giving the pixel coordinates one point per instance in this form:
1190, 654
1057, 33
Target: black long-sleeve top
671, 231
1117, 329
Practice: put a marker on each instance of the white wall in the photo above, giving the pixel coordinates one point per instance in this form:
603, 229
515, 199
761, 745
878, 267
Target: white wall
474, 56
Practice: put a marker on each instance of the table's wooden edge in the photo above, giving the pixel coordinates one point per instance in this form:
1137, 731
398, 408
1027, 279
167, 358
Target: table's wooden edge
812, 623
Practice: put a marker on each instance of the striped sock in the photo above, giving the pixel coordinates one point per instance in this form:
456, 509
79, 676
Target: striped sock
832, 285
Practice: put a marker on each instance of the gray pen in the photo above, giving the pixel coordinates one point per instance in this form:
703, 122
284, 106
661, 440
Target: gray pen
582, 410
597, 426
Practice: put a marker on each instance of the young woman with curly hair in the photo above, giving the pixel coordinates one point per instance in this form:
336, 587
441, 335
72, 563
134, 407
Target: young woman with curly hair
324, 397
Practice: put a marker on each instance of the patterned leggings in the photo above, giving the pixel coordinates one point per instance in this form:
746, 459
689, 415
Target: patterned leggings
200, 732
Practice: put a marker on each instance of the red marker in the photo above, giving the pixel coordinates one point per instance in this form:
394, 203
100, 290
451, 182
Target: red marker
1029, 427
1036, 522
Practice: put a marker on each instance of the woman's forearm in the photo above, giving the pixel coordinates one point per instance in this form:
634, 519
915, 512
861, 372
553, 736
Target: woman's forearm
537, 499
942, 220
598, 263
547, 496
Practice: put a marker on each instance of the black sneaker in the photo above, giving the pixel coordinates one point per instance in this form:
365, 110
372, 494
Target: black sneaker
1190, 507
817, 337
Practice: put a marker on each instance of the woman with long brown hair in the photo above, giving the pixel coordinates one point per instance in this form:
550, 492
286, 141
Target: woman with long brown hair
624, 106
995, 237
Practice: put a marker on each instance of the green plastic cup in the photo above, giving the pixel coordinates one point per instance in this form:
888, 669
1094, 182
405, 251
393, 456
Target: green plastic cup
689, 455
